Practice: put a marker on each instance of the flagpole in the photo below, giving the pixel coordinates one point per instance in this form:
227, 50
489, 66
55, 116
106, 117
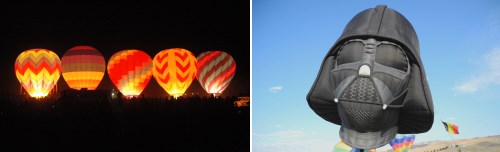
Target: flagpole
453, 140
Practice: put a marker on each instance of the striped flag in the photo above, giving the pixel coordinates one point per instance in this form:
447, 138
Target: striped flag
451, 128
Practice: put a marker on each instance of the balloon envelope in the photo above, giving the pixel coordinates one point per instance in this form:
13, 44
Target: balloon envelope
130, 71
408, 142
215, 71
342, 147
83, 67
174, 69
402, 143
38, 71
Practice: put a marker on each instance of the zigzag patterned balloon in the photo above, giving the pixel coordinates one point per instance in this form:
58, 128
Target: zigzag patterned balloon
215, 71
83, 67
174, 69
38, 71
130, 71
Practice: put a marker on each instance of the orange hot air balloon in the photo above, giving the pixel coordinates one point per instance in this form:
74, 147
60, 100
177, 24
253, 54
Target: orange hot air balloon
215, 71
83, 67
174, 69
130, 71
38, 71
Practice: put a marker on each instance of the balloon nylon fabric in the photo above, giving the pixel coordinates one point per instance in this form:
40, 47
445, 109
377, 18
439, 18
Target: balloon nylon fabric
130, 71
411, 113
216, 69
402, 143
342, 147
174, 70
38, 71
83, 67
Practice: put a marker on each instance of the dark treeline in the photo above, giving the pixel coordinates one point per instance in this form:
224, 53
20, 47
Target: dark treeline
98, 121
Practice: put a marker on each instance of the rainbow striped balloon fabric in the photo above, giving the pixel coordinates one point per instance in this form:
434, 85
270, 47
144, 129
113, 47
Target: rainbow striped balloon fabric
38, 71
216, 69
130, 71
174, 69
402, 143
342, 147
83, 67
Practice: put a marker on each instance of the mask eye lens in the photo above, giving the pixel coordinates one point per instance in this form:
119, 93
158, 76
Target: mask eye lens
391, 56
351, 52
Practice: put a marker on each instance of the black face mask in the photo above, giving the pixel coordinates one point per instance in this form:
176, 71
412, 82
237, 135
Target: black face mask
370, 82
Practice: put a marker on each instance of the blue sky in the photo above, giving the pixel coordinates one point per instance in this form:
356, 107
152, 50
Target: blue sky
460, 48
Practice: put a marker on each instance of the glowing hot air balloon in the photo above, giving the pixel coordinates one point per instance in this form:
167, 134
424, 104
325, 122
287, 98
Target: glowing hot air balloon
215, 71
130, 71
174, 69
83, 67
38, 71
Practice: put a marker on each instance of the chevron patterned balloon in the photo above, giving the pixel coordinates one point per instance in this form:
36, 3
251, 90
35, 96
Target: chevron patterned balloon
38, 71
174, 69
130, 71
83, 67
215, 71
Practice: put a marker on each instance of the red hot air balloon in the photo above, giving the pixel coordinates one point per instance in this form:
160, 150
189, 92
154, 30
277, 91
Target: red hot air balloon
130, 71
216, 69
83, 67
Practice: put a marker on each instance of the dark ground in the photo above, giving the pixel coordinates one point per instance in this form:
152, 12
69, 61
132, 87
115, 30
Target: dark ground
92, 120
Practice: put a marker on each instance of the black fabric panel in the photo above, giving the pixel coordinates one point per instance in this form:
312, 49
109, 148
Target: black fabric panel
340, 75
389, 80
417, 115
391, 56
395, 25
362, 90
351, 52
320, 98
359, 24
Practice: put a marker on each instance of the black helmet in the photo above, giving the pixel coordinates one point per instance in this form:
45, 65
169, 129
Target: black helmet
372, 81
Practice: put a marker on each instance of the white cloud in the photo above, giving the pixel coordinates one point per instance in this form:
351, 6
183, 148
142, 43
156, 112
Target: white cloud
489, 76
290, 141
287, 134
276, 89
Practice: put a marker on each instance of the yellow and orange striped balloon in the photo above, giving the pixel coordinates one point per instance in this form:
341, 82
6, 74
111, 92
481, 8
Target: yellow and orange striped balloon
83, 67
38, 71
174, 69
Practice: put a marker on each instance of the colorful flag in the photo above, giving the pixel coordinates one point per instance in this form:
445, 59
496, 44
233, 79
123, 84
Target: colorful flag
451, 128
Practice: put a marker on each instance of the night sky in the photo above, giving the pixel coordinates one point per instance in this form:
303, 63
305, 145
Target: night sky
150, 27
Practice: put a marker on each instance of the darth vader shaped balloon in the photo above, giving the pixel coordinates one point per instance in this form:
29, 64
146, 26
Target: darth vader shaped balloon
372, 81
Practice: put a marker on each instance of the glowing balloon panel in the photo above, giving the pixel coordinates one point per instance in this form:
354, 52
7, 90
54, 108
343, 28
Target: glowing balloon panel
130, 71
215, 71
174, 69
38, 71
83, 67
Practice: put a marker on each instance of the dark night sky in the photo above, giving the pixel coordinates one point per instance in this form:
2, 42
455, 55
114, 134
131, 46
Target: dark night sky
150, 27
